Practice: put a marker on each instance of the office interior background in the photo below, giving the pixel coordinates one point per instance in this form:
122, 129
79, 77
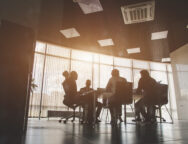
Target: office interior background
51, 60
35, 49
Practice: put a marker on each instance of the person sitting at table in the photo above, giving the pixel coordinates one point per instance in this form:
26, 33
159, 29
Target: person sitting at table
88, 99
146, 85
115, 108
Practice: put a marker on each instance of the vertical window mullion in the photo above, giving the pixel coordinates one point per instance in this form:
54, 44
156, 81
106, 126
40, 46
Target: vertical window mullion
42, 85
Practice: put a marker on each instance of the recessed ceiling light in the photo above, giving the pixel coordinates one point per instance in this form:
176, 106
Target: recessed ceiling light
105, 42
165, 59
133, 50
70, 33
159, 35
187, 26
90, 6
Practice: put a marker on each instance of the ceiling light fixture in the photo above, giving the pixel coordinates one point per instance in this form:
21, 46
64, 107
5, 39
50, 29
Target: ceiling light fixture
89, 6
133, 50
159, 35
106, 42
165, 59
70, 33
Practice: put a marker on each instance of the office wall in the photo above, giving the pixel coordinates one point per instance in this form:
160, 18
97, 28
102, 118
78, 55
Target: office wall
179, 59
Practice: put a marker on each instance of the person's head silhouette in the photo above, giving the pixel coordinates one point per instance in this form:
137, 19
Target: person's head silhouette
115, 73
74, 75
144, 73
66, 74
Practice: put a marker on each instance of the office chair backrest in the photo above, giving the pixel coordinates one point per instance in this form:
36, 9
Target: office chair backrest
158, 95
162, 94
66, 87
124, 92
68, 100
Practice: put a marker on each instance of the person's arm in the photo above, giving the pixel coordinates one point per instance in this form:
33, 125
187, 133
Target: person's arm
109, 85
81, 90
140, 87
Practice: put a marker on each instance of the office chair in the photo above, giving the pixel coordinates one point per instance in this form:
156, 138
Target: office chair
105, 108
69, 104
73, 115
161, 99
123, 94
158, 98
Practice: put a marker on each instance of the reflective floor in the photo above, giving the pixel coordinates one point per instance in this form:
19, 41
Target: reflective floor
52, 132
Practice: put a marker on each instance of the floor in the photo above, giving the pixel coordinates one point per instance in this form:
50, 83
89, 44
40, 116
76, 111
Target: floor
52, 132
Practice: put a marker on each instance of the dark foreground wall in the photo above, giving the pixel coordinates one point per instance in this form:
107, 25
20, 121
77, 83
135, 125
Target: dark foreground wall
16, 56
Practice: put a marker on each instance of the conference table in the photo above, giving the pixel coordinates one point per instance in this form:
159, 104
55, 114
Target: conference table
101, 93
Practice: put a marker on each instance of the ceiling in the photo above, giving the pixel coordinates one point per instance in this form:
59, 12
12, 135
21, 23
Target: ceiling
171, 15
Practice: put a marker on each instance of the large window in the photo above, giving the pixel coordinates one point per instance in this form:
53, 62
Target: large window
37, 80
105, 74
84, 70
51, 60
52, 88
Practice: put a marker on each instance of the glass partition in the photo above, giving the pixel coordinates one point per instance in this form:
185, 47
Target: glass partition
58, 51
81, 55
104, 59
158, 66
140, 64
105, 74
37, 79
53, 93
125, 73
122, 62
96, 76
84, 71
136, 74
40, 47
169, 68
96, 58
172, 97
159, 76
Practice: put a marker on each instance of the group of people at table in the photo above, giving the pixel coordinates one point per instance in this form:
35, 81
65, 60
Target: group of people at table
144, 109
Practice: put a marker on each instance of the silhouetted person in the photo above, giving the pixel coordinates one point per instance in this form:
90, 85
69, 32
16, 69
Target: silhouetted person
115, 107
88, 99
146, 85
65, 82
71, 95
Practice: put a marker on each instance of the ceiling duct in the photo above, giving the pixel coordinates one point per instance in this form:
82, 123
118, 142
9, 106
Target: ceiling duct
137, 13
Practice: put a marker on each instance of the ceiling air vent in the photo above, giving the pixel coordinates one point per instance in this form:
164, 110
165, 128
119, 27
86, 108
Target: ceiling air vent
137, 13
